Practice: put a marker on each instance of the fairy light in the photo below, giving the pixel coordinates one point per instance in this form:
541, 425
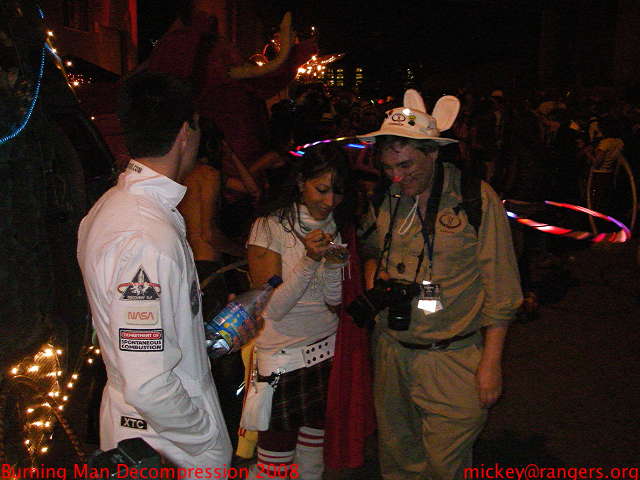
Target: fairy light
50, 33
316, 66
34, 99
39, 415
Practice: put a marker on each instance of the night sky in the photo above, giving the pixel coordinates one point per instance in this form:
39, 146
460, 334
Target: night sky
437, 32
382, 35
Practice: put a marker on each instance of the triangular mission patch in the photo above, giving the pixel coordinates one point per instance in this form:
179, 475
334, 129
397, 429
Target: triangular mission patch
140, 287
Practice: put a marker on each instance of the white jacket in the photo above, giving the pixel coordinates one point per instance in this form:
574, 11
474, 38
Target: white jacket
143, 290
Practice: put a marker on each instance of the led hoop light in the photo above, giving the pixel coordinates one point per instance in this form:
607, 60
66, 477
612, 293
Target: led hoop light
299, 151
621, 236
34, 99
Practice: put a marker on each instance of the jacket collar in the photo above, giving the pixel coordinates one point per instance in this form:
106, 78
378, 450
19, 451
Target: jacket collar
142, 180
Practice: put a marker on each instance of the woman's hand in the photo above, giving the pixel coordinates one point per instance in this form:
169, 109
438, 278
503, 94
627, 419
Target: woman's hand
316, 243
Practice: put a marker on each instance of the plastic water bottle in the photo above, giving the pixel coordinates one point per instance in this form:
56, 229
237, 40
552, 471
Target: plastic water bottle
223, 328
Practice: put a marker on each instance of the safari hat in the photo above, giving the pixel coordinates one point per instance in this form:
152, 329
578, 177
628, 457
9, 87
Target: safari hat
413, 121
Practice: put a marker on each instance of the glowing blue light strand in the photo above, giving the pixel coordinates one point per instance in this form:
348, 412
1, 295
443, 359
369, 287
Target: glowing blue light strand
36, 93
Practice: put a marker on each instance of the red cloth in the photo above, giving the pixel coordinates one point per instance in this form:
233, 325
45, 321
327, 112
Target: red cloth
350, 416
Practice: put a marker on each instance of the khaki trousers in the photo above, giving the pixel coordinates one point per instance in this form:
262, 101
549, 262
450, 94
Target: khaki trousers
428, 410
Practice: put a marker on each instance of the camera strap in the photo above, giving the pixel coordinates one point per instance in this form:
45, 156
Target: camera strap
386, 248
428, 228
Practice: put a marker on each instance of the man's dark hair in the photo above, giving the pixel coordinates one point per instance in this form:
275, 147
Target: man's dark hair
384, 142
152, 108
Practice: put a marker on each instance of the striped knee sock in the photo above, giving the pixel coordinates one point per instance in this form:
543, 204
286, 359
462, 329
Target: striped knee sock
274, 464
309, 451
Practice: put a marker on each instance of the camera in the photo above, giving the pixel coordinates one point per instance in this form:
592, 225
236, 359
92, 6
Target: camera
393, 294
129, 459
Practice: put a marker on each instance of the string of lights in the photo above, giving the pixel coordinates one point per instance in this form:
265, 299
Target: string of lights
73, 80
47, 393
36, 93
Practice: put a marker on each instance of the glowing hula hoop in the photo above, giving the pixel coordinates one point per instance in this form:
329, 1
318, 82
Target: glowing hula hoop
620, 236
299, 150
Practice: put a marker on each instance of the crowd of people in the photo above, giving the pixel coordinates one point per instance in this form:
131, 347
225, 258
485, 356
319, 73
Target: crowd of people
432, 279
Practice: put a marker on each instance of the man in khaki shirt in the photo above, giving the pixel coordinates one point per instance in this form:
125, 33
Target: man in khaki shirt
438, 358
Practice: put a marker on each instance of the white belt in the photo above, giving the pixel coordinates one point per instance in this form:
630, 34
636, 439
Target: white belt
290, 359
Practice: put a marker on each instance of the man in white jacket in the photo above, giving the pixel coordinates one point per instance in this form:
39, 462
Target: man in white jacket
143, 289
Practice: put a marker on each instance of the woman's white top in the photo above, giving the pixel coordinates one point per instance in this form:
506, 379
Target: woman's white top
297, 313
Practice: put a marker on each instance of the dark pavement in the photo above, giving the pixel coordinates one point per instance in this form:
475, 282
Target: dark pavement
572, 377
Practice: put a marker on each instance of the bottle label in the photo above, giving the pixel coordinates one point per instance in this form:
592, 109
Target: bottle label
227, 322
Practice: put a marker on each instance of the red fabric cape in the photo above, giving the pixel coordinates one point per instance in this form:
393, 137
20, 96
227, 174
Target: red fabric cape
350, 416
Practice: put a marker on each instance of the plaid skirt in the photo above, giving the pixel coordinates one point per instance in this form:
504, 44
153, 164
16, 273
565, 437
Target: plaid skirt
301, 398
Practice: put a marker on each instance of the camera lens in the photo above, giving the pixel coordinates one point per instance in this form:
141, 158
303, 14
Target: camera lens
399, 317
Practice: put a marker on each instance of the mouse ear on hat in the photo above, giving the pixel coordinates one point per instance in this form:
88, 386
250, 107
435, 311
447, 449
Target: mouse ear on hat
446, 111
413, 100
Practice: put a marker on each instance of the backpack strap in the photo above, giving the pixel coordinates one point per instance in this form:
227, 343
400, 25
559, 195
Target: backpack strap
470, 188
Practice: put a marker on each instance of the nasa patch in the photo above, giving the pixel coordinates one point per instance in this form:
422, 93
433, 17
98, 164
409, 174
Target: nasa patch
141, 340
140, 287
143, 314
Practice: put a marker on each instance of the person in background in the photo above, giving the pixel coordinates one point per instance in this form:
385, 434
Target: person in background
201, 204
603, 158
213, 250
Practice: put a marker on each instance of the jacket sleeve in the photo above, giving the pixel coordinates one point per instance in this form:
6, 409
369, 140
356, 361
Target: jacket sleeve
287, 295
497, 262
267, 233
147, 316
332, 281
332, 286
